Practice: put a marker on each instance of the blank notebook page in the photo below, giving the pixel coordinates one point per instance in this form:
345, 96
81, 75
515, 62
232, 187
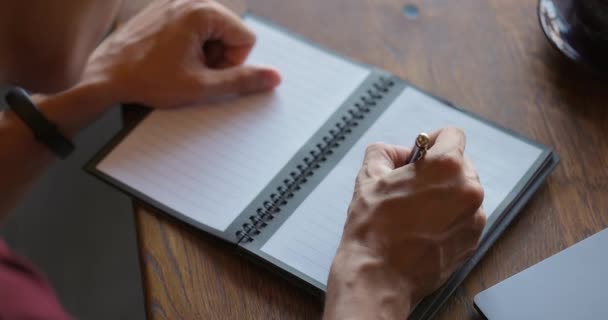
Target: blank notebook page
308, 240
209, 162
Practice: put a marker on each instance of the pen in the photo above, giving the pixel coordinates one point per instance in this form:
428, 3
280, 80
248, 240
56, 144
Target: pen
420, 147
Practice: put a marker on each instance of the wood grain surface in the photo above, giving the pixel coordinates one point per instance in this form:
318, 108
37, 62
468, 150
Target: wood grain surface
488, 56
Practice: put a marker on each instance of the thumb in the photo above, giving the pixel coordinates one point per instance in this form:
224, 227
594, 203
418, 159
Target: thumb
240, 80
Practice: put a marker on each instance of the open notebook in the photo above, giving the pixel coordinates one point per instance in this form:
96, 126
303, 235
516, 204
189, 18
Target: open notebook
274, 173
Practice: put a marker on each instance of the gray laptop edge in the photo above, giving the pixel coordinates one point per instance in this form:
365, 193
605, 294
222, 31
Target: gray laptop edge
572, 284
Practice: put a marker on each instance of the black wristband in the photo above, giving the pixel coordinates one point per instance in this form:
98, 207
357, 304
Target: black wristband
44, 130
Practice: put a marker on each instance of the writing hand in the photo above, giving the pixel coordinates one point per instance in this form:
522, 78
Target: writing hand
408, 229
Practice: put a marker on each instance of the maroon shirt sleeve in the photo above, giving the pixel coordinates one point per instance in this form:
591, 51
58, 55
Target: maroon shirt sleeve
25, 294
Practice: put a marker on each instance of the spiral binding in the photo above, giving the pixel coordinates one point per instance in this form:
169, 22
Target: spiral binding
309, 164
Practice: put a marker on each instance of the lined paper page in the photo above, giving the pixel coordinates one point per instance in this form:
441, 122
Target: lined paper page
209, 162
307, 241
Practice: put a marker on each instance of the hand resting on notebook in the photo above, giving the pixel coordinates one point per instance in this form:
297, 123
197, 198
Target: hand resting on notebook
170, 54
408, 229
156, 58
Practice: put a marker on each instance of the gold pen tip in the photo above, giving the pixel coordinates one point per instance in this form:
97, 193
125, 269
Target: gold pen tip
423, 140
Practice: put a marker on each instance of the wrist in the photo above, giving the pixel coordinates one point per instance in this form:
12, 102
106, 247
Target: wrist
76, 108
363, 286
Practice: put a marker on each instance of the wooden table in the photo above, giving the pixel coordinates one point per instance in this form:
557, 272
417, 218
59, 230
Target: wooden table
489, 56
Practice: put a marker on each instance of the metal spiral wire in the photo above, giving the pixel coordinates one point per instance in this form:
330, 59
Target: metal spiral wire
316, 157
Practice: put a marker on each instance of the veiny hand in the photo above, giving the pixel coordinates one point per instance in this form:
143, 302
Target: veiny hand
408, 229
178, 52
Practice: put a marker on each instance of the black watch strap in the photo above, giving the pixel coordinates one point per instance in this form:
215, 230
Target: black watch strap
44, 130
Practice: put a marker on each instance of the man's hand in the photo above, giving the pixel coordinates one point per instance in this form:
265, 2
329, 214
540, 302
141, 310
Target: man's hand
175, 52
178, 52
408, 229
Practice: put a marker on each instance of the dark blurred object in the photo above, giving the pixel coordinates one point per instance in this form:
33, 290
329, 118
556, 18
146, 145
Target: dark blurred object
579, 29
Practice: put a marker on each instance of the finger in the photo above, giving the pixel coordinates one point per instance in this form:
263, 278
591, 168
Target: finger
447, 140
234, 56
381, 158
221, 24
433, 137
476, 189
218, 56
239, 80
469, 169
480, 219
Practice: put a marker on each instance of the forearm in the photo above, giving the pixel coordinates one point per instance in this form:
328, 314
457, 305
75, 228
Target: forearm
22, 158
363, 287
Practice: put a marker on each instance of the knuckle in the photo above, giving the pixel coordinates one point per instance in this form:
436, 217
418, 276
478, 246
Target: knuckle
456, 130
451, 162
479, 221
372, 151
372, 147
383, 184
473, 193
474, 175
200, 11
